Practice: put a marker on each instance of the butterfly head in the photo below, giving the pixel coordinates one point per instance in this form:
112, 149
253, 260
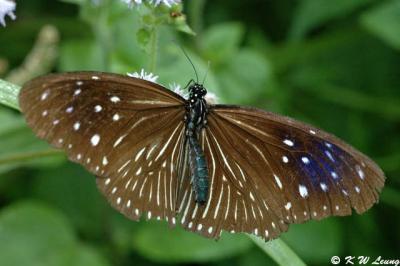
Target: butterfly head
197, 91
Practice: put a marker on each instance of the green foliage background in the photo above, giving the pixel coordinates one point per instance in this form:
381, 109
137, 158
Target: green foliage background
334, 64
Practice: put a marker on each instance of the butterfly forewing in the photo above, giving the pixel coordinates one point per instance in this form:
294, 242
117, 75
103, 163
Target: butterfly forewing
127, 131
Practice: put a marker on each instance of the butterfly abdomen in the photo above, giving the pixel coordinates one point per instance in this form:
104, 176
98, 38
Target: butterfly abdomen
199, 170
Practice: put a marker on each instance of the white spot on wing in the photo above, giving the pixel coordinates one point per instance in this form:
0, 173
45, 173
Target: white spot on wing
285, 159
288, 206
303, 191
77, 125
98, 108
115, 99
115, 117
305, 160
288, 142
334, 175
95, 78
95, 139
44, 95
360, 172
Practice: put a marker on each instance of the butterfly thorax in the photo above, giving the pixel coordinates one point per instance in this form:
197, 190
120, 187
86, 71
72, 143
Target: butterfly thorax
196, 119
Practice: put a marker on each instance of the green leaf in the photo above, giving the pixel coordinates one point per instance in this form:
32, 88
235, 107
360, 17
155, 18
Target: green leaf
143, 37
73, 190
20, 146
244, 78
159, 243
221, 41
384, 22
33, 234
313, 13
302, 239
80, 55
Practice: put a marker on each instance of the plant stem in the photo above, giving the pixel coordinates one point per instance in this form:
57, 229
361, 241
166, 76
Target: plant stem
281, 253
153, 49
9, 94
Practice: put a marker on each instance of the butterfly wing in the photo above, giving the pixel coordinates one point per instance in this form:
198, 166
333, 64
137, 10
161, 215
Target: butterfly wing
129, 132
268, 171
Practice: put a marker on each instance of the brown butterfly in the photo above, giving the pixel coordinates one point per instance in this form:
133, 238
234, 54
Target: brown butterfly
213, 167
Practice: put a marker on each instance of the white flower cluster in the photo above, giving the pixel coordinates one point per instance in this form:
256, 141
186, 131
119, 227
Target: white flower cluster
144, 75
168, 3
178, 90
211, 98
6, 8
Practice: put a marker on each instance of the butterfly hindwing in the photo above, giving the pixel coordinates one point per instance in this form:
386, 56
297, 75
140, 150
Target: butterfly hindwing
127, 131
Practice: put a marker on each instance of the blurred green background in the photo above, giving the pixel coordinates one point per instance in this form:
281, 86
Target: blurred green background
334, 64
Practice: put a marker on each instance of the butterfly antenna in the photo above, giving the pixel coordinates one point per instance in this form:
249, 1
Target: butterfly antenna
205, 75
188, 58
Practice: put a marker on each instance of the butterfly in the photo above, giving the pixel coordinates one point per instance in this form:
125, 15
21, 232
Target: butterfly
210, 168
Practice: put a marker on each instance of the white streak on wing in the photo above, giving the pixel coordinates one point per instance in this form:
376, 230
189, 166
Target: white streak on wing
183, 200
127, 183
248, 126
123, 166
134, 185
151, 150
151, 192
167, 143
241, 172
212, 178
165, 190
118, 141
187, 207
278, 181
170, 192
265, 205
139, 154
254, 213
245, 210
223, 157
236, 209
229, 202
195, 211
262, 154
219, 202
151, 102
158, 188
172, 169
141, 189
260, 211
